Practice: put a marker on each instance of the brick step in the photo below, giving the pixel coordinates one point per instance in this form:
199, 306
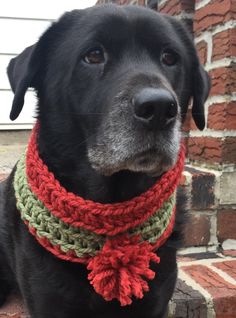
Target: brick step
206, 288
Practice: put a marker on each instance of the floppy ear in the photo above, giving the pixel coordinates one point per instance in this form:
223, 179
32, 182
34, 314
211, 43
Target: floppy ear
201, 88
21, 71
27, 69
200, 79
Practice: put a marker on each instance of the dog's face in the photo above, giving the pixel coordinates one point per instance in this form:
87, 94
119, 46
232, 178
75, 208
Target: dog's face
116, 81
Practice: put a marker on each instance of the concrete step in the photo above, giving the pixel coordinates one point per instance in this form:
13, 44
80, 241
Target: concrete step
12, 145
206, 288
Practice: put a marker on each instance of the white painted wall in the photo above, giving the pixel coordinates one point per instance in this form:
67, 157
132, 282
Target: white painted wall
21, 24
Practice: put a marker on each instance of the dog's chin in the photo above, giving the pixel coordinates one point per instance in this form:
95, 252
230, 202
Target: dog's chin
153, 166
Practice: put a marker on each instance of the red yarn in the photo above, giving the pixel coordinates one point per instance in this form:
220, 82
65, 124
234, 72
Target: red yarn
109, 219
118, 271
70, 256
121, 269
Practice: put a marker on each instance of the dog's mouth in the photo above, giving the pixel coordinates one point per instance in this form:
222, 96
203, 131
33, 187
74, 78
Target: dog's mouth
123, 148
150, 161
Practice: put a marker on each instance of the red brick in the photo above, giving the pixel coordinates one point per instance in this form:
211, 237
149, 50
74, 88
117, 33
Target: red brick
202, 193
205, 149
216, 12
184, 258
3, 176
141, 2
222, 116
224, 44
175, 7
13, 308
189, 123
171, 7
224, 293
197, 231
212, 150
228, 267
182, 181
226, 220
202, 51
229, 150
210, 280
231, 253
223, 80
122, 2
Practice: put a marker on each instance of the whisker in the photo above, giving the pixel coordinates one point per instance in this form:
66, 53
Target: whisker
82, 142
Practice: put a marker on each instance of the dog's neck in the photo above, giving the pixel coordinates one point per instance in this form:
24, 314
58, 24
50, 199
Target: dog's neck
80, 178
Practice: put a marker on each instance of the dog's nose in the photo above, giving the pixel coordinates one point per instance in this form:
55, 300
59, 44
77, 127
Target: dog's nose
155, 107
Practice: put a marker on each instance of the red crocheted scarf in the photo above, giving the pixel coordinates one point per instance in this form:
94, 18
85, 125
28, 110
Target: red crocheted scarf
119, 270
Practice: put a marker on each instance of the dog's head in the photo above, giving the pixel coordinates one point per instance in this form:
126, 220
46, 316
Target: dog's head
113, 83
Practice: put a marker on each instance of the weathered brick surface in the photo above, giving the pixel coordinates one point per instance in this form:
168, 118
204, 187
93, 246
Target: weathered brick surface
211, 281
189, 123
229, 267
212, 150
222, 116
141, 2
202, 51
197, 256
217, 287
214, 13
229, 150
175, 7
13, 308
202, 193
205, 149
223, 80
197, 231
231, 253
188, 302
226, 222
3, 176
171, 7
224, 44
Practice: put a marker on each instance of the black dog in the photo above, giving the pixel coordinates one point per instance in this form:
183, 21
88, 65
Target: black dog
113, 86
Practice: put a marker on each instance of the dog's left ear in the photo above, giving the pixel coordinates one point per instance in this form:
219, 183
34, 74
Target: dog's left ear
201, 88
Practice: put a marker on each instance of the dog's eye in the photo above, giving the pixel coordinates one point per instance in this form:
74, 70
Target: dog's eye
95, 56
169, 57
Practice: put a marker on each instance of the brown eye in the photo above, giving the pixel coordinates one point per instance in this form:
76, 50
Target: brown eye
95, 56
169, 58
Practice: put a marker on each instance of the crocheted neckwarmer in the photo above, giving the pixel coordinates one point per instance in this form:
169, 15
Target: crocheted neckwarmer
115, 241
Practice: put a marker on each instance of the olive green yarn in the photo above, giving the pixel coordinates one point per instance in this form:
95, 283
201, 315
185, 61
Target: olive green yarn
83, 242
33, 211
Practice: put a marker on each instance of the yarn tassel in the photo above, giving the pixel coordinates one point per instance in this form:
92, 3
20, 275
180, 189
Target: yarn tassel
119, 270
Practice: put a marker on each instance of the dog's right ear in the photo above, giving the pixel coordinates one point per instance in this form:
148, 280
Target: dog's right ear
21, 72
26, 69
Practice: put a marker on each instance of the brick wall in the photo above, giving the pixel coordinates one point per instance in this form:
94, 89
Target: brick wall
210, 176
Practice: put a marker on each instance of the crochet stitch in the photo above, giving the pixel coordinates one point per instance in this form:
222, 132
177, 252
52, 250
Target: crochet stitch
116, 241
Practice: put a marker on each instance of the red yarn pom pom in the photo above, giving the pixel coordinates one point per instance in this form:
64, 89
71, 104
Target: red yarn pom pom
119, 270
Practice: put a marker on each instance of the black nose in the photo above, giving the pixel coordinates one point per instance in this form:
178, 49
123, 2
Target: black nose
155, 107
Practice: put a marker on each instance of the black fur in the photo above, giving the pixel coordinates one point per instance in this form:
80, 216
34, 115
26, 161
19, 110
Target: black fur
74, 99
